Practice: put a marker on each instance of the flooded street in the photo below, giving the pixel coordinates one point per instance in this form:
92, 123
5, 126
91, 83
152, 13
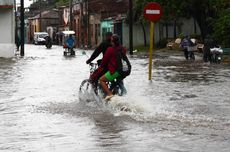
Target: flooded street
186, 107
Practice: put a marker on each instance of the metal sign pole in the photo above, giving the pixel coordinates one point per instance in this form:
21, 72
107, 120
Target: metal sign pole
71, 15
152, 12
22, 26
151, 49
131, 27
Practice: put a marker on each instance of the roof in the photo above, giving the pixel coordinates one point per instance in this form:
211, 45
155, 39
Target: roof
109, 8
47, 14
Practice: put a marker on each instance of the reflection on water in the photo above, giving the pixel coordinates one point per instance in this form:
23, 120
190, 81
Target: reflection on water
185, 107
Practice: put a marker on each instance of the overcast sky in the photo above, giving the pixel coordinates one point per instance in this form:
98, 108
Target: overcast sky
26, 2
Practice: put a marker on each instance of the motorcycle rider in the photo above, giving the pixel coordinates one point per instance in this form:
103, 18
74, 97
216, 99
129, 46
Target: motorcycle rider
48, 41
70, 43
101, 48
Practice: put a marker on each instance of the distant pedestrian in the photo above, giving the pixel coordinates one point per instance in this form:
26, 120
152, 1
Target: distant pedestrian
17, 42
185, 44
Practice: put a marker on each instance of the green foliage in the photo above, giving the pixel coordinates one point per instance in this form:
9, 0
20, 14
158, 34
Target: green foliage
222, 28
181, 35
62, 2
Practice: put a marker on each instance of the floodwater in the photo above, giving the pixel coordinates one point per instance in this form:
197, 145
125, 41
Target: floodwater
185, 108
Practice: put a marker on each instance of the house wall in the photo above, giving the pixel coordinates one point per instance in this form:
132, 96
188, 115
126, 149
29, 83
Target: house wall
95, 30
6, 2
7, 42
188, 27
138, 37
65, 16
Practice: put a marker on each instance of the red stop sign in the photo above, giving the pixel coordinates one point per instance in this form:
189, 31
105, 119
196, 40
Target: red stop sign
153, 11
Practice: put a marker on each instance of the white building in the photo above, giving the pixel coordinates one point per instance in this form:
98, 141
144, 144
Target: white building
7, 36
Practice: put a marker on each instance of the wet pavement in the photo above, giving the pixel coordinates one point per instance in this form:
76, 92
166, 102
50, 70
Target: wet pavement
186, 107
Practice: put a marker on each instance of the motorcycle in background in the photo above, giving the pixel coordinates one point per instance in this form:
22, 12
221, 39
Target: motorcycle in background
216, 54
48, 42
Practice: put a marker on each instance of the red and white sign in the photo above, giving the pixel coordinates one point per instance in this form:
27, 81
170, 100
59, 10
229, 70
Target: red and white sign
153, 11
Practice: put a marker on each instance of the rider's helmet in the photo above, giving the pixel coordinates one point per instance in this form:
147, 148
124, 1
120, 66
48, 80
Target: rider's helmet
115, 39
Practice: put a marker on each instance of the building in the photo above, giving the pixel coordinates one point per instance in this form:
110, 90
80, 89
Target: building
48, 22
7, 24
91, 19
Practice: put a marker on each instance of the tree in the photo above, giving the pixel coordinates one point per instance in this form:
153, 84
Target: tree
205, 12
222, 28
61, 2
45, 4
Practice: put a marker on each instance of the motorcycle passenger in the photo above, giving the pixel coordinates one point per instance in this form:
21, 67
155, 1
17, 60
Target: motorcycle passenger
110, 61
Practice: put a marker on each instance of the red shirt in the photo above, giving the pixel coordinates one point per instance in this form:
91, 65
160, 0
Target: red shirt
110, 58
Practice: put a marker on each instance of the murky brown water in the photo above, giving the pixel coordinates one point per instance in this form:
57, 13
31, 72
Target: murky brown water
186, 107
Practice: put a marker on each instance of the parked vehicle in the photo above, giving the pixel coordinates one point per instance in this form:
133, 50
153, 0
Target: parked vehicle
39, 37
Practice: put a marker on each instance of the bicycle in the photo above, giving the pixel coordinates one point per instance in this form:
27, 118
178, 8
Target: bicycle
93, 91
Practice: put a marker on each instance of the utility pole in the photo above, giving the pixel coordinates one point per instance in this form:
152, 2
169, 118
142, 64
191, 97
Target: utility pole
22, 26
16, 24
40, 15
88, 24
131, 27
71, 15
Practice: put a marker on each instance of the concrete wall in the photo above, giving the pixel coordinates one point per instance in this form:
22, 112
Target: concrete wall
6, 2
188, 27
7, 45
138, 36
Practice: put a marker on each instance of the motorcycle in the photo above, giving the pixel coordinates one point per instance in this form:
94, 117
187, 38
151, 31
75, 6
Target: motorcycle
216, 54
88, 87
48, 42
68, 51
